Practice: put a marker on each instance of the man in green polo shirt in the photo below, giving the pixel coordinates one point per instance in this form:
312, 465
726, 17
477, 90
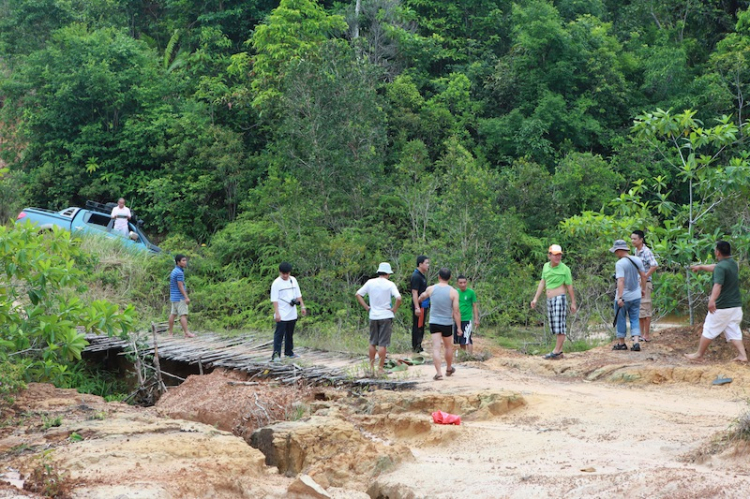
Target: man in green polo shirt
469, 308
556, 277
724, 304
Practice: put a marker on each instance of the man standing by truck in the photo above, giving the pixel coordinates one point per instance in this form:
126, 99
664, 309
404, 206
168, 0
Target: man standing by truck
121, 215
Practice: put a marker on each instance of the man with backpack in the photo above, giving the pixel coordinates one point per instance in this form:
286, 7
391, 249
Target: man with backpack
631, 284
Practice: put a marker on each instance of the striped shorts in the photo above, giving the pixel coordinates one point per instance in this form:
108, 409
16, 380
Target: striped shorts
557, 313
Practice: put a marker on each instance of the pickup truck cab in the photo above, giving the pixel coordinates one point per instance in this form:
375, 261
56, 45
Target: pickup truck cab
95, 218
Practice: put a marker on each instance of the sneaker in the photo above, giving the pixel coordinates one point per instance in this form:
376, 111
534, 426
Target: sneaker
293, 356
620, 346
275, 358
553, 356
636, 347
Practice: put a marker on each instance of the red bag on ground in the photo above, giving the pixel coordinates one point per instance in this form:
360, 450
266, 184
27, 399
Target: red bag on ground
441, 417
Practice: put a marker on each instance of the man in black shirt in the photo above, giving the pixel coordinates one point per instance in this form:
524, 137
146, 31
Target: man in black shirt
418, 311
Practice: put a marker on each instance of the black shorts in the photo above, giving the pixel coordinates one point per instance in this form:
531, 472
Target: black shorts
446, 331
466, 338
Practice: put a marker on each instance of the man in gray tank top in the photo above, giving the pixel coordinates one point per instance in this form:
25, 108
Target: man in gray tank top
444, 316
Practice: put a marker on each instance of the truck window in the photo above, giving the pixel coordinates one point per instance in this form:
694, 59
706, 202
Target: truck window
98, 219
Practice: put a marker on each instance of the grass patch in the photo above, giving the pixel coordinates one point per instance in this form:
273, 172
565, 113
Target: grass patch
740, 429
535, 341
48, 422
348, 339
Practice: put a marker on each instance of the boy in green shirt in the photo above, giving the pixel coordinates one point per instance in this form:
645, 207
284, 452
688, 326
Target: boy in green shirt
469, 308
557, 279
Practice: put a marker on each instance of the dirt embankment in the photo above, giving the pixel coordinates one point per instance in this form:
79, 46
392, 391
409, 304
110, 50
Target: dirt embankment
595, 424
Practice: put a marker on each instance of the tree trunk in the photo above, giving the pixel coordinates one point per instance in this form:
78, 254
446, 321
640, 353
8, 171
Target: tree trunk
355, 28
690, 296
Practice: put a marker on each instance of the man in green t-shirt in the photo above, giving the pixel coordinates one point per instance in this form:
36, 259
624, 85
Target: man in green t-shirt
556, 277
724, 304
469, 307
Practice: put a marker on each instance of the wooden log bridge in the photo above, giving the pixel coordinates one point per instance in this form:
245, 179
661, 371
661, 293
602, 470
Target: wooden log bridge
251, 353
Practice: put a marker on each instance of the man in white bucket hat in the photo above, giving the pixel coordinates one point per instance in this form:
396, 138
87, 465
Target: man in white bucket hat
382, 311
631, 286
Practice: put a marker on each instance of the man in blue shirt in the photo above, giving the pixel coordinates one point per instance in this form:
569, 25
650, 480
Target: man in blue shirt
178, 296
418, 284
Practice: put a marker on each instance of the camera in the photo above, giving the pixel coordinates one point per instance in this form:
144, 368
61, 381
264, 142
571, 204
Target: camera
294, 302
614, 277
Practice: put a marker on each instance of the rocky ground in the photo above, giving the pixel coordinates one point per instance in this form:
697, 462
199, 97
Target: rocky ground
594, 424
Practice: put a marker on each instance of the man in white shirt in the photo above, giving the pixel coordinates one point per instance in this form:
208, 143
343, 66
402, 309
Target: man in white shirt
121, 215
285, 296
382, 312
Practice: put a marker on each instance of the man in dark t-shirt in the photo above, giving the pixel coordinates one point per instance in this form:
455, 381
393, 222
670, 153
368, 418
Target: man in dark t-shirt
724, 304
418, 310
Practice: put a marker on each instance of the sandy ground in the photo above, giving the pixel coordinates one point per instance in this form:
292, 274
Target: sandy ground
631, 440
638, 437
596, 424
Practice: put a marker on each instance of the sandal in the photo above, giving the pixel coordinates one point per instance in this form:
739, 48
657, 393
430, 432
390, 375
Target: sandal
450, 371
437, 377
553, 356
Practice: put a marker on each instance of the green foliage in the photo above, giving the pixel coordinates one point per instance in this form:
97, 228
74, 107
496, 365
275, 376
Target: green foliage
39, 307
291, 34
86, 379
79, 106
12, 378
250, 132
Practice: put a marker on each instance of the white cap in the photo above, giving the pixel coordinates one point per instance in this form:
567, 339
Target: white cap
385, 268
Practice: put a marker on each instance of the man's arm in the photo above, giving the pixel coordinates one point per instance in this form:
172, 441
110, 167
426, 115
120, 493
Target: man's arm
475, 306
456, 311
427, 293
651, 270
703, 268
299, 297
643, 283
715, 292
182, 289
276, 315
415, 300
361, 301
398, 304
539, 290
569, 289
620, 287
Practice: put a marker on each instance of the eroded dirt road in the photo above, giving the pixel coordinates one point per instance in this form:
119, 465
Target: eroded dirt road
595, 424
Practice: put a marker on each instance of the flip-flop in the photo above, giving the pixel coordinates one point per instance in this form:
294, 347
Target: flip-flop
437, 377
721, 381
418, 360
646, 340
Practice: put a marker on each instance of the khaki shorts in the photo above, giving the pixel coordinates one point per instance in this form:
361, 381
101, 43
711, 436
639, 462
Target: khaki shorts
646, 309
179, 308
